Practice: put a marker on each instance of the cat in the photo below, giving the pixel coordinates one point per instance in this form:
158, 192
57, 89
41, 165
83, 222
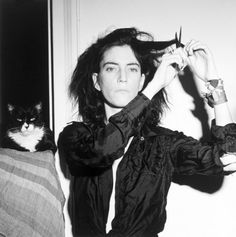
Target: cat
26, 130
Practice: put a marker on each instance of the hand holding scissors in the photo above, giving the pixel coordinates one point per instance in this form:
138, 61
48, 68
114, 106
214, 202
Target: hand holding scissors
199, 58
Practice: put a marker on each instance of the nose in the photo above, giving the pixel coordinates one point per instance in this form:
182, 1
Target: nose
122, 76
26, 125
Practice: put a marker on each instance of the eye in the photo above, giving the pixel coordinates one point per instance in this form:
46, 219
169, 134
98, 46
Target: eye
32, 119
110, 69
133, 69
19, 120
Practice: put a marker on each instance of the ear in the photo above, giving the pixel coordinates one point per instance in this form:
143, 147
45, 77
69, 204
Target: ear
142, 80
95, 81
38, 107
10, 108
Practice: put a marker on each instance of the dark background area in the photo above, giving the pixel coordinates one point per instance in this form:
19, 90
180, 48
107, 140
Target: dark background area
23, 55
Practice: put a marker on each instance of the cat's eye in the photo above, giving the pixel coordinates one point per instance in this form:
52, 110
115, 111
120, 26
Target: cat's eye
32, 119
19, 120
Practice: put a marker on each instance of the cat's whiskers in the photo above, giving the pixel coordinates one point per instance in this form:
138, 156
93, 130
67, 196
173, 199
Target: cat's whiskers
13, 130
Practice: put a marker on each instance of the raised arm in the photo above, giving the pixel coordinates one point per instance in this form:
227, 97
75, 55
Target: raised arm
98, 146
201, 62
167, 71
199, 58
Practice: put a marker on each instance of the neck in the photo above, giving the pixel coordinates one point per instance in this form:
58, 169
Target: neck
111, 111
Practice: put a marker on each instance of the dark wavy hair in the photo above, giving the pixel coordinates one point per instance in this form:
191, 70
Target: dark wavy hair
147, 51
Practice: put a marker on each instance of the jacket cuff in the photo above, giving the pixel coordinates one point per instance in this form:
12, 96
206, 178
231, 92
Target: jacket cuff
136, 106
226, 135
134, 111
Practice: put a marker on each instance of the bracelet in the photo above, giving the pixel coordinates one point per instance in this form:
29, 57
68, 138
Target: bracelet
213, 84
216, 94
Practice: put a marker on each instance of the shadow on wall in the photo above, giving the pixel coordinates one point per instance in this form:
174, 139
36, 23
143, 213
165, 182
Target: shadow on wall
208, 184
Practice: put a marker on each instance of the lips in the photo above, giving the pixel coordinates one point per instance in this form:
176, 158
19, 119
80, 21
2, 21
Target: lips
122, 90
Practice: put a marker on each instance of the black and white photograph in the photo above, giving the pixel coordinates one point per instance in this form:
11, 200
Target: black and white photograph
117, 118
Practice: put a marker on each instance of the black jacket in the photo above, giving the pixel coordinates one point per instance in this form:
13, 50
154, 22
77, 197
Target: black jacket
143, 176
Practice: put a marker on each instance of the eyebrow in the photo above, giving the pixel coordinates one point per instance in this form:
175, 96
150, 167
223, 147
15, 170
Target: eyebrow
133, 64
113, 63
109, 63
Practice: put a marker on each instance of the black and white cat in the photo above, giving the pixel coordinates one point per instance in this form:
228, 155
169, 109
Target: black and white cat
26, 130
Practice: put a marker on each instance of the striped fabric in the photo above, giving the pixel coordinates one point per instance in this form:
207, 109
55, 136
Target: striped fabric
31, 198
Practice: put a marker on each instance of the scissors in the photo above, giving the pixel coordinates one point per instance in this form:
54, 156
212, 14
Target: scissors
178, 44
178, 39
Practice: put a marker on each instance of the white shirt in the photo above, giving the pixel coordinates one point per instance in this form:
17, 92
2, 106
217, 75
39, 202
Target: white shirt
111, 213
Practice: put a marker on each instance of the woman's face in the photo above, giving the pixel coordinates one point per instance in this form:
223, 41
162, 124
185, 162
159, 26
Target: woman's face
120, 77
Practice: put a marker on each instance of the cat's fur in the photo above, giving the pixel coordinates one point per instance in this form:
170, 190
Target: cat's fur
26, 130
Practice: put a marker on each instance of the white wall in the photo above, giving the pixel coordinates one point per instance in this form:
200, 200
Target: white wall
64, 57
77, 23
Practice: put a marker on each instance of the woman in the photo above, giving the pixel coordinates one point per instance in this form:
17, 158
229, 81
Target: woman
121, 160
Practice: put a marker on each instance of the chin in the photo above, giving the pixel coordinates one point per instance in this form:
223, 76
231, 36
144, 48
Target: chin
120, 100
121, 103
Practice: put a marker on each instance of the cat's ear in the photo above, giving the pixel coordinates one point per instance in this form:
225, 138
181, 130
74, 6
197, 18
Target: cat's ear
38, 107
10, 107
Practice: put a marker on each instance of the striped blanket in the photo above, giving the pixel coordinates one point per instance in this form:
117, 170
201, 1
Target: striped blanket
31, 198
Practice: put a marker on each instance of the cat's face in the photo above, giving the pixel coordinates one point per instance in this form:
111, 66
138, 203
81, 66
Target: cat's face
24, 120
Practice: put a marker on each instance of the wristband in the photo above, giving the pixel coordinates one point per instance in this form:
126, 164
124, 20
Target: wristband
216, 94
213, 84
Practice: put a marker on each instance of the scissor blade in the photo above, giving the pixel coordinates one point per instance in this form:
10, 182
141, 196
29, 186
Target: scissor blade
180, 35
178, 39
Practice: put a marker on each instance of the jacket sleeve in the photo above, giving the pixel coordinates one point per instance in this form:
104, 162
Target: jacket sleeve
99, 146
189, 156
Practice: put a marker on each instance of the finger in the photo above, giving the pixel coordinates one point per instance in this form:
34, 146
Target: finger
175, 58
230, 167
184, 57
228, 159
187, 46
179, 52
191, 46
194, 46
181, 59
170, 49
